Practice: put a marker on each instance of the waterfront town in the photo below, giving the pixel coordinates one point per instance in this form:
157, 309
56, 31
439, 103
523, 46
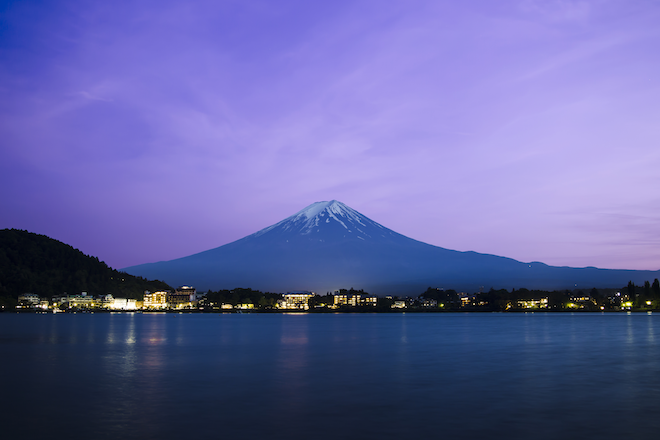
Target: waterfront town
187, 298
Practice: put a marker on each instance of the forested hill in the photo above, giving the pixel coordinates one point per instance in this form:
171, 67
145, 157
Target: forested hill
39, 264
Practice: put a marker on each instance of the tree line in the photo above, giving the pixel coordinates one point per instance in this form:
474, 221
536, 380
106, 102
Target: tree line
239, 296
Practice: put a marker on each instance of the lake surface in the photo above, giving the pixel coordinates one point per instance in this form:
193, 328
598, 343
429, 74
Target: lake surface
330, 376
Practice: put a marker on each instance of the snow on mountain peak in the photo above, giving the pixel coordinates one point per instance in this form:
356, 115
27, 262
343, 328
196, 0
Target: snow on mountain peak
333, 209
317, 216
314, 209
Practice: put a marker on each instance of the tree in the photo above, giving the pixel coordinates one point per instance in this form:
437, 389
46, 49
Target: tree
656, 287
631, 290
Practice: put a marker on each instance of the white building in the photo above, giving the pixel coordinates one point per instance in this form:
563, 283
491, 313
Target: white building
123, 304
296, 300
156, 300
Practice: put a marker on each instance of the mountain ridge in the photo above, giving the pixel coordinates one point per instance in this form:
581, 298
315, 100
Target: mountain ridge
328, 245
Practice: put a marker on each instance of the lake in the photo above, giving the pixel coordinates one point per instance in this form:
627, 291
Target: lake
330, 376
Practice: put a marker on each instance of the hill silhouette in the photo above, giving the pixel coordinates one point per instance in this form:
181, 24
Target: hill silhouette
38, 264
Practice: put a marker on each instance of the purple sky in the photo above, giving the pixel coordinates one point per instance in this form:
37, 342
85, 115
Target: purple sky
141, 131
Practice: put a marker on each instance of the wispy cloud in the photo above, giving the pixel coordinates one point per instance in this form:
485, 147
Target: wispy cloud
559, 10
91, 97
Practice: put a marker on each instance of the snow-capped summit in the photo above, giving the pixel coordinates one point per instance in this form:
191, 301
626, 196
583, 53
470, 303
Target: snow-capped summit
332, 218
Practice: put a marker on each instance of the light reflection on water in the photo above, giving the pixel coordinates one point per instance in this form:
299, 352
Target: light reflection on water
329, 376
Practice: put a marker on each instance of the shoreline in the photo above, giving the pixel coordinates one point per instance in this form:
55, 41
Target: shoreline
312, 312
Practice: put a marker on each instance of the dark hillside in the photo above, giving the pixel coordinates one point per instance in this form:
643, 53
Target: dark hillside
38, 264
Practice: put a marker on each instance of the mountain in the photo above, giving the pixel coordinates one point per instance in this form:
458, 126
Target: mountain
38, 264
329, 245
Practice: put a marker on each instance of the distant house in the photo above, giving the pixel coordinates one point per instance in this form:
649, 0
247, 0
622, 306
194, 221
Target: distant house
582, 301
345, 299
28, 301
107, 300
354, 299
155, 300
540, 303
296, 300
466, 299
429, 303
82, 301
123, 304
183, 297
399, 304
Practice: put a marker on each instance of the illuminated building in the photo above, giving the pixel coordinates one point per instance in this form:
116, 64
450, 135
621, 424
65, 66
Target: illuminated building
123, 304
541, 303
581, 302
354, 300
187, 290
82, 301
58, 300
296, 300
28, 301
183, 297
344, 299
398, 304
429, 302
107, 300
155, 300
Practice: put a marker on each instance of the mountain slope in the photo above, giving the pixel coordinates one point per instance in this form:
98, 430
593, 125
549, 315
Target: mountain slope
38, 264
328, 245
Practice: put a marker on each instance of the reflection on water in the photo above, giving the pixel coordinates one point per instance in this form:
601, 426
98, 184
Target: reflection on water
650, 333
130, 337
513, 376
292, 366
